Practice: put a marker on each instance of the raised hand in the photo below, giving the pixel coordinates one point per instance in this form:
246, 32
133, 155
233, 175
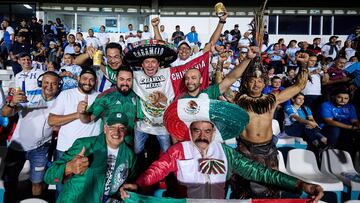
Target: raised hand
303, 57
90, 51
78, 164
223, 18
252, 52
82, 106
155, 21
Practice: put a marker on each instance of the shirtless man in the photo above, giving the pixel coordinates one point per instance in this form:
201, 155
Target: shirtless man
255, 142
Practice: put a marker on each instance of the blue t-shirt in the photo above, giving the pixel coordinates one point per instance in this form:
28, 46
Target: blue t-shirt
354, 71
291, 110
343, 114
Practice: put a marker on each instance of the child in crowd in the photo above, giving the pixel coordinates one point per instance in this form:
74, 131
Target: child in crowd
276, 88
289, 79
70, 72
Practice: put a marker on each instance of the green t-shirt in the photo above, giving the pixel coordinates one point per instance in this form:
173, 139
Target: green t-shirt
213, 91
113, 101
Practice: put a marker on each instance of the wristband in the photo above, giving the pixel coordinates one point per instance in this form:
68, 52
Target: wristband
222, 21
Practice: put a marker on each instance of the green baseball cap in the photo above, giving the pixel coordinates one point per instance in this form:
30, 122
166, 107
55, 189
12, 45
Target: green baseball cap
116, 118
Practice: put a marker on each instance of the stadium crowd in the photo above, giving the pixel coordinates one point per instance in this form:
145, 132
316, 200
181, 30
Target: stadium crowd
84, 124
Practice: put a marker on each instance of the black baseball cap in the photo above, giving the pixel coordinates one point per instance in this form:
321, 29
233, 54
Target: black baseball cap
77, 44
88, 70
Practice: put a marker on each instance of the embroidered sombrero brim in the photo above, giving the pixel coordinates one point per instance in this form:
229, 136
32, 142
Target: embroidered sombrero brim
229, 119
135, 53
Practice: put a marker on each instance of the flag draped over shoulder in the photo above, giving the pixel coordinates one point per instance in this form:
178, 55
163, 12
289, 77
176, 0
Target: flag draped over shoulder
177, 73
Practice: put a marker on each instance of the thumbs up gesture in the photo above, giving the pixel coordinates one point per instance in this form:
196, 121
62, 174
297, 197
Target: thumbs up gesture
78, 164
82, 106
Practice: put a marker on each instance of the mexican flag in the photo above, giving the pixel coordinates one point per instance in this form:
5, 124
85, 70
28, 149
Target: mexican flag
137, 198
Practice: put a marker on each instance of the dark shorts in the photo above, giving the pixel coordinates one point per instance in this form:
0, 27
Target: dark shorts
264, 153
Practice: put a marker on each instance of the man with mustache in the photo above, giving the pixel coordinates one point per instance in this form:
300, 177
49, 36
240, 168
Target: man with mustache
32, 136
201, 164
256, 141
65, 113
120, 98
94, 168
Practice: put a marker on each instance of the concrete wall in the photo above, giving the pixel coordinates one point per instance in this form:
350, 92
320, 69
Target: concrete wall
205, 26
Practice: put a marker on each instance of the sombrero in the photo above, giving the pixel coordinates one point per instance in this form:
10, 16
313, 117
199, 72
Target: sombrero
229, 119
135, 53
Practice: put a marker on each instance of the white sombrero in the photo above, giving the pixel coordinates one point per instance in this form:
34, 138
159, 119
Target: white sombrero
229, 119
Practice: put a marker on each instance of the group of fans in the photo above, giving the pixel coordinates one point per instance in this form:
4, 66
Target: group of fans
92, 121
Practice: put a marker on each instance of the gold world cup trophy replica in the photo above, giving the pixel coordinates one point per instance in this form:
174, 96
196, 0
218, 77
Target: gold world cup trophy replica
219, 9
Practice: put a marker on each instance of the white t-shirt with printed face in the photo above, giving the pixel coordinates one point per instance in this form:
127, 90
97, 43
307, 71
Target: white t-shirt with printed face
32, 130
66, 103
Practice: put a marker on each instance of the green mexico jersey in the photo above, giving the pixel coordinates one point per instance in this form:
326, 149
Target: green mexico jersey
113, 101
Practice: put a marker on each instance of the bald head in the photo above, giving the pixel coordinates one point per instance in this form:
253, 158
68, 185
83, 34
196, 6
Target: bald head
193, 80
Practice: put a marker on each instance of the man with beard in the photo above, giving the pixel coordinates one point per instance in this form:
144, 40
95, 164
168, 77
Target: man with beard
65, 113
340, 123
117, 99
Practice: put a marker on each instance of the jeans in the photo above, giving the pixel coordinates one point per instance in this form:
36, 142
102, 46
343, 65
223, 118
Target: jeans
343, 139
14, 162
300, 129
141, 137
332, 133
59, 154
